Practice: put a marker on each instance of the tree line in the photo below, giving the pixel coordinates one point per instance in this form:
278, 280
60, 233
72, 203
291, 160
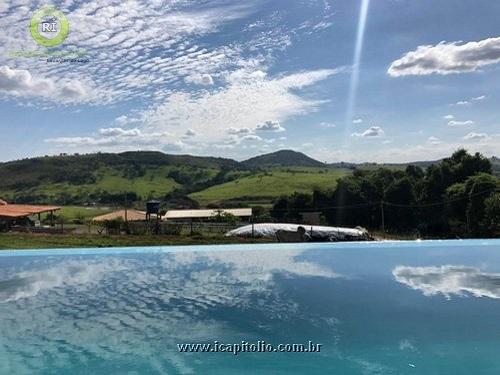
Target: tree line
459, 196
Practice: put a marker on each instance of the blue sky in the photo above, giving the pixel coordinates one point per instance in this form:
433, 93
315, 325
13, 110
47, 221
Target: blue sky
240, 78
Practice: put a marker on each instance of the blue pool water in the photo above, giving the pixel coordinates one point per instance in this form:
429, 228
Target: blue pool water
376, 308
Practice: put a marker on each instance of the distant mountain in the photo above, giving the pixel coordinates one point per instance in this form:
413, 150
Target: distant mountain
368, 165
283, 158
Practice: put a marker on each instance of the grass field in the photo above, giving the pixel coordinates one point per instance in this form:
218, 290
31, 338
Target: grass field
70, 213
268, 185
154, 183
150, 184
41, 241
251, 187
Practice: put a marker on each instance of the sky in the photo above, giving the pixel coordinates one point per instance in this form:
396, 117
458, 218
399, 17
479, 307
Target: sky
340, 80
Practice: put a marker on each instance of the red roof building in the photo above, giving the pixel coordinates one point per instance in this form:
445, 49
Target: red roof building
15, 211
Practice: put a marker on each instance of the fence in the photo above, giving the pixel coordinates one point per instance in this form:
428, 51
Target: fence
179, 228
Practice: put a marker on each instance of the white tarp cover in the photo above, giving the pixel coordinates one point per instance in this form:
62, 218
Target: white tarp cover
317, 231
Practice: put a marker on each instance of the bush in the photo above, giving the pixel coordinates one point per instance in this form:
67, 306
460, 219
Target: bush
113, 226
171, 229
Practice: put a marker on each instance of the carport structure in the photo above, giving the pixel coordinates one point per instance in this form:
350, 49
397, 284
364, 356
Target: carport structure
12, 212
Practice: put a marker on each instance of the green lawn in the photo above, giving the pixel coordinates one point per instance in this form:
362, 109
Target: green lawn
269, 185
77, 212
44, 241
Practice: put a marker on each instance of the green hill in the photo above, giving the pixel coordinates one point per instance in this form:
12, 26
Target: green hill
262, 188
105, 178
283, 158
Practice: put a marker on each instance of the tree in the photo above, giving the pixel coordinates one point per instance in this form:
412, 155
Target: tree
346, 197
464, 165
492, 214
478, 189
279, 208
440, 201
438, 178
456, 207
414, 172
400, 192
290, 208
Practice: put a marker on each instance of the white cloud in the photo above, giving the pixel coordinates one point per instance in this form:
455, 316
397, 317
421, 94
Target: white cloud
129, 57
406, 149
163, 71
20, 82
448, 117
119, 139
433, 140
124, 120
470, 101
357, 121
472, 136
239, 131
460, 123
249, 98
28, 284
449, 280
373, 131
269, 125
251, 138
200, 79
327, 125
406, 345
119, 132
198, 283
322, 25
447, 58
479, 98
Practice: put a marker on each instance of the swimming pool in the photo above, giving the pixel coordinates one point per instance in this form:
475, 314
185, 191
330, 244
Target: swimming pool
429, 307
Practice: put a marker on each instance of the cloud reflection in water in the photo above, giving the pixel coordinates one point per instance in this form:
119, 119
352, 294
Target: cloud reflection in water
449, 280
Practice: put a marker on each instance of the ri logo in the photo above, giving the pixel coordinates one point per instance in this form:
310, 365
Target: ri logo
49, 27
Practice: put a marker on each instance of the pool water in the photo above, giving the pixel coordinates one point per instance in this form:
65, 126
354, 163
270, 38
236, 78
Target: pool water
430, 307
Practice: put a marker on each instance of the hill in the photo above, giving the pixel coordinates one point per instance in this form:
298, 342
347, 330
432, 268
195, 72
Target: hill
262, 188
105, 178
282, 158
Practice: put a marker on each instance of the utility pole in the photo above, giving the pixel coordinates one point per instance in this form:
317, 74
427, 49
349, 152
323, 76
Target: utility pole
382, 216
